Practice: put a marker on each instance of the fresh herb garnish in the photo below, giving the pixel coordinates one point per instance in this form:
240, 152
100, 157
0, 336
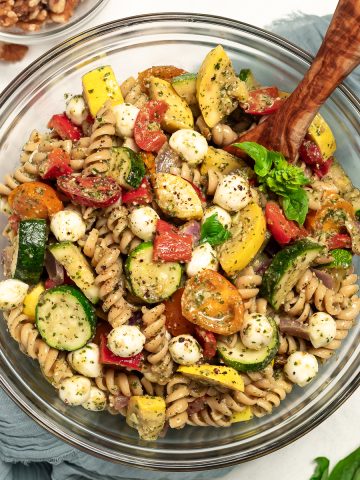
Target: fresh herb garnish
322, 469
213, 232
347, 469
282, 178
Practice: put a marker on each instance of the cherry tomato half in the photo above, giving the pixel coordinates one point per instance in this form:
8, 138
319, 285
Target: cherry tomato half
147, 132
96, 191
331, 216
176, 323
283, 230
213, 303
263, 101
166, 72
34, 200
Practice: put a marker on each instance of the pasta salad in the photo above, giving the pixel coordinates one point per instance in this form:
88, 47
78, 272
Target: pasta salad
160, 268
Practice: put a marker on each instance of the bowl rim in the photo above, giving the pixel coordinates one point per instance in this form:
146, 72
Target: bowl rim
19, 397
56, 31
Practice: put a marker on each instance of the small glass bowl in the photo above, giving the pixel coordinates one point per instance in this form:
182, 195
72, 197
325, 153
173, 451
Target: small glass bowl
83, 13
131, 45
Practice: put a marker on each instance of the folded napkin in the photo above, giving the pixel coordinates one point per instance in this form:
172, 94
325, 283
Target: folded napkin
27, 452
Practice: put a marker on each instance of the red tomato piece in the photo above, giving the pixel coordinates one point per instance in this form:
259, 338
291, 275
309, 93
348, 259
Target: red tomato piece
109, 358
263, 101
282, 229
310, 153
171, 246
56, 165
147, 132
176, 323
198, 191
139, 196
323, 169
64, 127
207, 341
340, 240
95, 191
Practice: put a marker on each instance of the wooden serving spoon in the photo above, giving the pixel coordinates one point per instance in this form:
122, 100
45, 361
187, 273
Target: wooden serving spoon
338, 55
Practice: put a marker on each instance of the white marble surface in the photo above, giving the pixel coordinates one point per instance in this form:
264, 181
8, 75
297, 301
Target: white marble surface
339, 434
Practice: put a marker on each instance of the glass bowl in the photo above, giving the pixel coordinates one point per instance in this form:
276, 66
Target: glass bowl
131, 45
83, 13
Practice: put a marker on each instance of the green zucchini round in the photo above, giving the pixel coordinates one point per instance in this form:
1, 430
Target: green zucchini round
244, 359
65, 318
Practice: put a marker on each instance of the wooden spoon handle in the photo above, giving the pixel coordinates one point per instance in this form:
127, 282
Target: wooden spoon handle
338, 55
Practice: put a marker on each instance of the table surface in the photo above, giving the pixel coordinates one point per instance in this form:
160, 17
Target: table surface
339, 434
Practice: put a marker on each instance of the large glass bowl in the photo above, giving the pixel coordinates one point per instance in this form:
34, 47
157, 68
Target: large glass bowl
131, 45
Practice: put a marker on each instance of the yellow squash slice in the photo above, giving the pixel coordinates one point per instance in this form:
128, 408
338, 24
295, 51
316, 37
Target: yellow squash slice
217, 375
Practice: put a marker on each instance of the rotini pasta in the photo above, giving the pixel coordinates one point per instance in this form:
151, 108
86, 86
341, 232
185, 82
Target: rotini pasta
157, 344
101, 142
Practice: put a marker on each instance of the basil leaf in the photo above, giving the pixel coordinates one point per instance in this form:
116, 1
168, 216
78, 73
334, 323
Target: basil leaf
296, 206
213, 232
259, 154
348, 468
322, 469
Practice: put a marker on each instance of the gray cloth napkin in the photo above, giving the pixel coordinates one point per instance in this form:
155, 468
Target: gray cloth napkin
27, 452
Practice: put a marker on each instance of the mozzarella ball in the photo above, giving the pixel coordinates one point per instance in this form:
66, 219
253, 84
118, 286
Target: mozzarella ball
76, 109
301, 368
75, 390
185, 350
256, 331
222, 215
96, 401
142, 222
322, 329
125, 115
232, 192
190, 145
126, 340
85, 360
67, 225
203, 257
12, 293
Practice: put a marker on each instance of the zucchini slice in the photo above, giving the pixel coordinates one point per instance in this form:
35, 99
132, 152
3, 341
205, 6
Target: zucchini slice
65, 318
185, 86
126, 167
286, 268
244, 359
151, 281
30, 246
77, 267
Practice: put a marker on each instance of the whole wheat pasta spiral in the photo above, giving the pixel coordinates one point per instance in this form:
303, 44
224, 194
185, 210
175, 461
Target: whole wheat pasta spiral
309, 290
177, 401
157, 344
117, 223
108, 266
223, 135
279, 388
136, 96
213, 178
119, 383
350, 309
101, 142
79, 153
290, 344
203, 128
248, 283
188, 173
208, 418
52, 362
